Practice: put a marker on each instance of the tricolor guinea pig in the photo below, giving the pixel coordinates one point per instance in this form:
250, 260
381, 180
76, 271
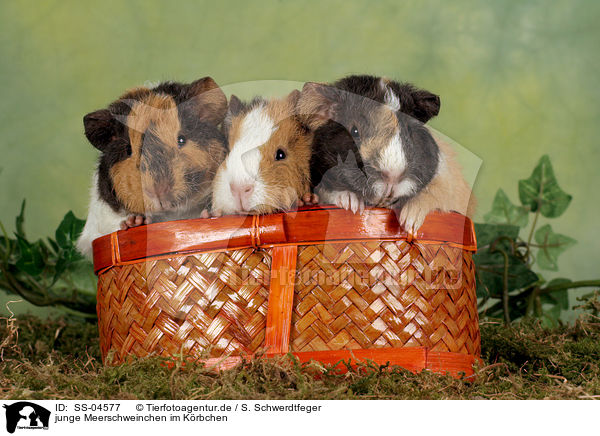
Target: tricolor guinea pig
160, 149
267, 168
371, 147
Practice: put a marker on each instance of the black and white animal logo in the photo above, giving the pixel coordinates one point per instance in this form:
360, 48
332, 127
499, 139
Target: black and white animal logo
26, 415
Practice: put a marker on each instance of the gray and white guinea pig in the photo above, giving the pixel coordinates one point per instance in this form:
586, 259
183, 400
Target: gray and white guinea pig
267, 168
160, 150
371, 147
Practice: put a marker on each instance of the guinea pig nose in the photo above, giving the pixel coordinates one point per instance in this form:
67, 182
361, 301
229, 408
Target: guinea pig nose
161, 189
242, 189
391, 176
242, 193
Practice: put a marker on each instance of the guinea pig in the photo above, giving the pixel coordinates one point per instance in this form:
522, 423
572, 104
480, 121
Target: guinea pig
267, 168
371, 147
160, 150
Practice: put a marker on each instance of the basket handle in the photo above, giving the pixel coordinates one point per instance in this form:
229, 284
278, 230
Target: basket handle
281, 298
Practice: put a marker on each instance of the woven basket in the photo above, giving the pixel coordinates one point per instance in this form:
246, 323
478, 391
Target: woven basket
322, 283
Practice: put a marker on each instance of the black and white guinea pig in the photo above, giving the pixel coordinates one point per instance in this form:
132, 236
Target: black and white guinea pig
161, 148
371, 147
267, 168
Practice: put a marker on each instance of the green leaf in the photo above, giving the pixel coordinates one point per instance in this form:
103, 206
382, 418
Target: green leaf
541, 191
53, 244
69, 230
517, 308
81, 274
504, 212
66, 257
29, 258
490, 273
559, 297
551, 316
488, 233
20, 221
551, 246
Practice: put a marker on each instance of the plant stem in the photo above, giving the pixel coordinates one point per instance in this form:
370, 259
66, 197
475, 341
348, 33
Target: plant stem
537, 214
533, 225
505, 305
571, 285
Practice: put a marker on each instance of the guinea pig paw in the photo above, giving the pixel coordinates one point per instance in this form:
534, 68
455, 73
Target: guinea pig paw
308, 199
134, 221
348, 200
411, 220
204, 214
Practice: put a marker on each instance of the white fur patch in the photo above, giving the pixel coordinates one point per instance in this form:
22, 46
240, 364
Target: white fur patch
242, 165
405, 188
392, 158
390, 98
101, 220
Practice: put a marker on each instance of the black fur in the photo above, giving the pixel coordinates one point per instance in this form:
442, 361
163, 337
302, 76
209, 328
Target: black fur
418, 103
422, 154
106, 130
336, 163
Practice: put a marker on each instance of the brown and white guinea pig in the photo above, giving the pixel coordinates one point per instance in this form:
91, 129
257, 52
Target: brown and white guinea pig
371, 147
161, 148
267, 168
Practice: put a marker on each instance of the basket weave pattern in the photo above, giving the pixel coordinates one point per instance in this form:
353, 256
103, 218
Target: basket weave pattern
201, 305
370, 294
386, 294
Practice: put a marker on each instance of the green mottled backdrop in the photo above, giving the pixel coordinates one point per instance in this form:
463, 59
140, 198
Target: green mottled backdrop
517, 79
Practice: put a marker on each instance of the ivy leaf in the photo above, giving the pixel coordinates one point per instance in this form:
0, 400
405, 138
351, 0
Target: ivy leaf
68, 231
20, 221
490, 273
550, 317
66, 258
29, 258
517, 308
541, 191
488, 233
504, 212
81, 274
551, 246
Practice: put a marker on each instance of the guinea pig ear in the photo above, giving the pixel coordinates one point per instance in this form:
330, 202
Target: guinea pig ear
208, 99
235, 106
316, 104
427, 104
293, 97
100, 128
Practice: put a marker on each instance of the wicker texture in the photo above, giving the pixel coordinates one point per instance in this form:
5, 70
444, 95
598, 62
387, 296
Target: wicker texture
201, 305
348, 295
385, 294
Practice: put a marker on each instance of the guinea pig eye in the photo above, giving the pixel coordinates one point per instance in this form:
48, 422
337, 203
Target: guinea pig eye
280, 154
181, 141
354, 132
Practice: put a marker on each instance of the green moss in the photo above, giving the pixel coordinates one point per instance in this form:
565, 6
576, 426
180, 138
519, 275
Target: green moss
61, 359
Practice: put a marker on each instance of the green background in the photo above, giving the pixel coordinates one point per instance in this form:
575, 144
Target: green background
517, 79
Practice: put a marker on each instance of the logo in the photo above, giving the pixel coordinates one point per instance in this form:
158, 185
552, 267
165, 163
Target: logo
26, 415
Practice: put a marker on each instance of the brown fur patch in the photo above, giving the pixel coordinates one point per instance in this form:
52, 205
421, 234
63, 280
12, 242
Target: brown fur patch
383, 121
157, 114
235, 130
288, 179
448, 190
127, 178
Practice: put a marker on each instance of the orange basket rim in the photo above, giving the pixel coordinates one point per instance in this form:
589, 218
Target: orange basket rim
307, 225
